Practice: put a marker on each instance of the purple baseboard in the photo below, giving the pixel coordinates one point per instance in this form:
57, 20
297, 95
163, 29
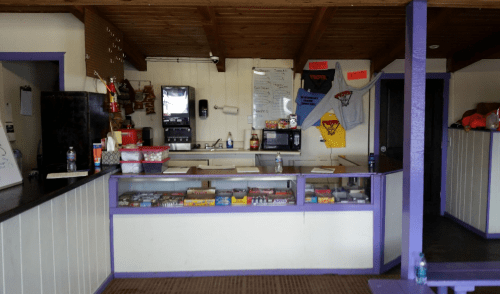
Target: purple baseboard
391, 264
276, 272
104, 284
471, 228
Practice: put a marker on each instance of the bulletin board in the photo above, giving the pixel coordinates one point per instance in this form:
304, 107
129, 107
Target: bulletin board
272, 95
9, 172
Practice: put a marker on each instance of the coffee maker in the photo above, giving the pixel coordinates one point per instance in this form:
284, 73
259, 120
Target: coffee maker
178, 119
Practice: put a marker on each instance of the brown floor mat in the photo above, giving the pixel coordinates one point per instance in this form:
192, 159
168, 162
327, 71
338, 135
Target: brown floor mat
344, 284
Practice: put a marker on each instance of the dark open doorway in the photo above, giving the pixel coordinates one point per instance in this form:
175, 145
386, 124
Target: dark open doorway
389, 130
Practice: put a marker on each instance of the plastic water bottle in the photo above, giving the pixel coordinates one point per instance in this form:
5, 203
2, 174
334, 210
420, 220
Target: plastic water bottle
71, 159
278, 163
229, 142
421, 270
371, 161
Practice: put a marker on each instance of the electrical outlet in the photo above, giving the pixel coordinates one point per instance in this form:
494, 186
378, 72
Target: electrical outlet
249, 119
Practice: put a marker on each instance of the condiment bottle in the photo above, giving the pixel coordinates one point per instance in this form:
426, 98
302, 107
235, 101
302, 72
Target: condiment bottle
229, 142
254, 142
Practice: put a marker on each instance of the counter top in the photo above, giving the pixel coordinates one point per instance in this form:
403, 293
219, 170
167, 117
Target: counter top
233, 151
20, 198
263, 171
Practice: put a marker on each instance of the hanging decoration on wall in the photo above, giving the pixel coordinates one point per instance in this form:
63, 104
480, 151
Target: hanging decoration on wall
331, 131
149, 99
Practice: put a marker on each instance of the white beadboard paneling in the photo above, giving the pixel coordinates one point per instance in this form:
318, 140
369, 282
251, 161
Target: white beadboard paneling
484, 177
463, 175
85, 237
93, 262
72, 236
468, 184
203, 92
232, 99
393, 216
60, 244
216, 124
244, 95
79, 230
47, 248
30, 251
1, 250
12, 255
449, 168
106, 227
475, 179
494, 216
101, 215
198, 242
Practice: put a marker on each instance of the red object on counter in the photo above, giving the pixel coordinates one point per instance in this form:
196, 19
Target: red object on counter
131, 136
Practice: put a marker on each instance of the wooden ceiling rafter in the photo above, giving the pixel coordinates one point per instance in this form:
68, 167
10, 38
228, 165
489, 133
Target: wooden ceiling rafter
209, 23
397, 50
483, 49
316, 30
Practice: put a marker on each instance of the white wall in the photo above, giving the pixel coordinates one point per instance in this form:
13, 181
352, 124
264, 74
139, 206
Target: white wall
234, 88
40, 76
50, 32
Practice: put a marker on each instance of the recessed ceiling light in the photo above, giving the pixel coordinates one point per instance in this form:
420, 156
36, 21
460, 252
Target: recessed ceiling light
433, 46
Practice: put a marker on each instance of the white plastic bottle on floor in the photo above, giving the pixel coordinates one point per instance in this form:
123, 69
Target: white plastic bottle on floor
421, 270
71, 160
278, 163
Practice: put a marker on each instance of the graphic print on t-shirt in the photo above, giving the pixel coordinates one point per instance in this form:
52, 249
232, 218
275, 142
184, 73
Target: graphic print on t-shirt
306, 101
318, 81
344, 97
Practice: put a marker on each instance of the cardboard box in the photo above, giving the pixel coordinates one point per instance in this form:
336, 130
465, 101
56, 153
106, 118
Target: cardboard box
239, 200
200, 197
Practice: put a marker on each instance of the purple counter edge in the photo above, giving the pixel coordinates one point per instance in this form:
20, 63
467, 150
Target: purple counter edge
38, 56
274, 272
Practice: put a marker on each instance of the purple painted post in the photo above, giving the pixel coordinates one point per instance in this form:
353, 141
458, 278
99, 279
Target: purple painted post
413, 152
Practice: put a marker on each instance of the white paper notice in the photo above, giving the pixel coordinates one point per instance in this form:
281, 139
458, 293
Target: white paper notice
26, 103
272, 95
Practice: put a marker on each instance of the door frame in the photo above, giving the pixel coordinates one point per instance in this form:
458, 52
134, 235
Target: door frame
38, 56
444, 140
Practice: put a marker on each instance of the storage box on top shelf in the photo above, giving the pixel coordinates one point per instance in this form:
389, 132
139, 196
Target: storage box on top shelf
154, 153
131, 154
155, 167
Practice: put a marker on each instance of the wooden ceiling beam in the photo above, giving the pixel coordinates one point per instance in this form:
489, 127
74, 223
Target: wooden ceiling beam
262, 3
396, 50
320, 22
210, 26
481, 50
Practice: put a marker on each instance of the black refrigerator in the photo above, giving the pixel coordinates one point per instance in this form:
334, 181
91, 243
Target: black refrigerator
75, 119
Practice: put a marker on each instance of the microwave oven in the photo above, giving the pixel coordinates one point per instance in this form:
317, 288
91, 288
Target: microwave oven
281, 139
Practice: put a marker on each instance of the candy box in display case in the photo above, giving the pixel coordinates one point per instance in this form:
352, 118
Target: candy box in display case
200, 197
223, 197
310, 198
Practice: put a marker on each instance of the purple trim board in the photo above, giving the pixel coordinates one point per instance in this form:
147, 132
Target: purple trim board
413, 158
38, 56
390, 264
128, 275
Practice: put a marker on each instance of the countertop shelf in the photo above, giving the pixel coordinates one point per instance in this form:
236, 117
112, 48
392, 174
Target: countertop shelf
234, 151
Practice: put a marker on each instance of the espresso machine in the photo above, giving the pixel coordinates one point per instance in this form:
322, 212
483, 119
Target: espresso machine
179, 117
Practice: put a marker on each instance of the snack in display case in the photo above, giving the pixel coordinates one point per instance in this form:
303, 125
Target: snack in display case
310, 198
223, 197
125, 199
200, 197
283, 191
325, 198
260, 191
280, 200
259, 199
240, 197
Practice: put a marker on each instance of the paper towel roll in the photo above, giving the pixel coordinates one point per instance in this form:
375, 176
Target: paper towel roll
246, 142
230, 110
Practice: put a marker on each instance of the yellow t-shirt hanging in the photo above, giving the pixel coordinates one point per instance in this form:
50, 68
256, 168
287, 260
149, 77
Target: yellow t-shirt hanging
331, 131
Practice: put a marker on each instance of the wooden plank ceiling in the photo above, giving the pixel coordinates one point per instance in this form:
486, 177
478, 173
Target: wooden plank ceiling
464, 35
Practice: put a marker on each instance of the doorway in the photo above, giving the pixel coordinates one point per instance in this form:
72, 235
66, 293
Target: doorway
389, 131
